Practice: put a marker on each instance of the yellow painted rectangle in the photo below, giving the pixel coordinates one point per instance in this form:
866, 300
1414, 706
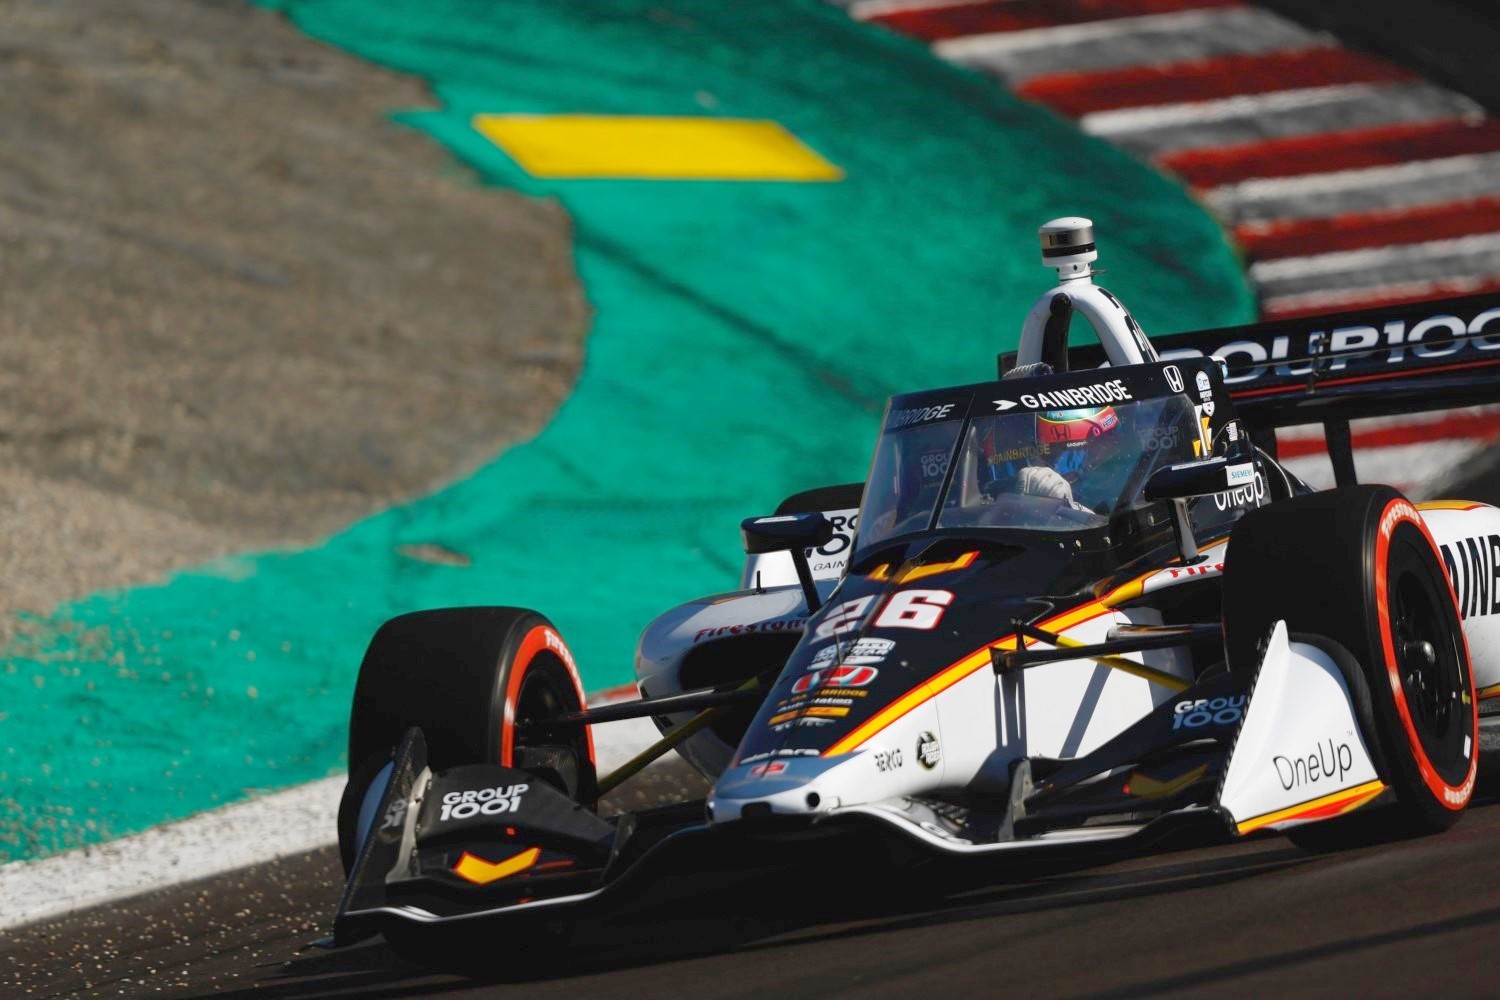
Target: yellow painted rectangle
650, 148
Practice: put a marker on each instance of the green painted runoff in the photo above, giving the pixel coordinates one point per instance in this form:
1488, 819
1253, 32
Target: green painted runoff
744, 338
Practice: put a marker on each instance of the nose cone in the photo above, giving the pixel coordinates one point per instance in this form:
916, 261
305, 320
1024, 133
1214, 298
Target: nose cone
779, 786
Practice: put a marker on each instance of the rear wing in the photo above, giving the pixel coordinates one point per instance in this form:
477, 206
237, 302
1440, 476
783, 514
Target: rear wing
1335, 368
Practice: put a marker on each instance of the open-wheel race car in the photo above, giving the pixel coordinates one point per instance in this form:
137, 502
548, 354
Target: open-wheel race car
1080, 604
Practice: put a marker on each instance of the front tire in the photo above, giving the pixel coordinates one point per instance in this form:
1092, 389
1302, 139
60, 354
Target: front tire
1359, 566
472, 679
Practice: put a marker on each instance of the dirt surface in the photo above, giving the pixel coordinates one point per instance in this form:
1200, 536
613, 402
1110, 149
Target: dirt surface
239, 307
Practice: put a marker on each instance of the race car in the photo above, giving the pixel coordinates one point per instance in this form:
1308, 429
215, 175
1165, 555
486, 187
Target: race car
1080, 604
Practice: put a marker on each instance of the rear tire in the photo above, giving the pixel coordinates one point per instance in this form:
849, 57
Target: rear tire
470, 679
1358, 566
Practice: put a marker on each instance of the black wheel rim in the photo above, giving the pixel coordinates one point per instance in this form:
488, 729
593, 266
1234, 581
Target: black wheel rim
547, 692
1430, 665
539, 699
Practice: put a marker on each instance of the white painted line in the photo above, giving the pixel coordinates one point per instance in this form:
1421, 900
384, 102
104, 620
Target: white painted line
246, 833
1127, 41
863, 10
1339, 192
1158, 116
1157, 129
1437, 261
1057, 36
1336, 299
1343, 261
211, 843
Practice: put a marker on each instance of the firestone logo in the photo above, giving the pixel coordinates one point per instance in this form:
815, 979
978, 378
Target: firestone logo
783, 625
1396, 513
555, 643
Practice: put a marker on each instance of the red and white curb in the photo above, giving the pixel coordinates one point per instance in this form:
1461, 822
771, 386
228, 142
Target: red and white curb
1347, 180
222, 840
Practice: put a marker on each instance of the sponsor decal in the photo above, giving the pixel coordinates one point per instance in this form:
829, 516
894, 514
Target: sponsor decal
1215, 568
1366, 347
887, 760
1235, 475
482, 802
1208, 407
1326, 760
811, 712
767, 770
921, 415
934, 464
929, 751
1205, 387
1208, 712
833, 555
1174, 378
1252, 494
838, 677
1158, 438
751, 628
1394, 515
805, 722
1001, 405
853, 653
555, 643
796, 752
1021, 453
395, 818
1099, 394
1473, 566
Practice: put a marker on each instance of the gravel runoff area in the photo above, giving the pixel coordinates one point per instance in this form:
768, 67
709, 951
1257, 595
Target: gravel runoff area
240, 307
230, 931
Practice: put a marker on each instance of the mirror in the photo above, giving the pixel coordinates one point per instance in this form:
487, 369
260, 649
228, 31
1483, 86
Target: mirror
1199, 479
785, 531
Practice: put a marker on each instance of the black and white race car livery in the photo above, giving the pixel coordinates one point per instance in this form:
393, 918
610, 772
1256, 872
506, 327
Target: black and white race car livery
1082, 603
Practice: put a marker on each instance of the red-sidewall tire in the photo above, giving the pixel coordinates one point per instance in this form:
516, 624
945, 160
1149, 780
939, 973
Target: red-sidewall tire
1359, 566
470, 679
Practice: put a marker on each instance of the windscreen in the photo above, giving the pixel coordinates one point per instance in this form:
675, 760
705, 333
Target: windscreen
1054, 470
1066, 469
906, 477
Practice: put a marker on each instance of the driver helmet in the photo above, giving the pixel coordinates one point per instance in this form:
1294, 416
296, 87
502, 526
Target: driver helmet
1078, 439
1066, 446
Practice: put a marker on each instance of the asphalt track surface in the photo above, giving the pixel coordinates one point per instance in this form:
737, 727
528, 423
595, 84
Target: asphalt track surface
1258, 917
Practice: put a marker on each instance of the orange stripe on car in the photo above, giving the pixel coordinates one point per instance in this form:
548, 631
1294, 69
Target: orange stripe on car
955, 672
1450, 505
951, 675
482, 872
1335, 804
